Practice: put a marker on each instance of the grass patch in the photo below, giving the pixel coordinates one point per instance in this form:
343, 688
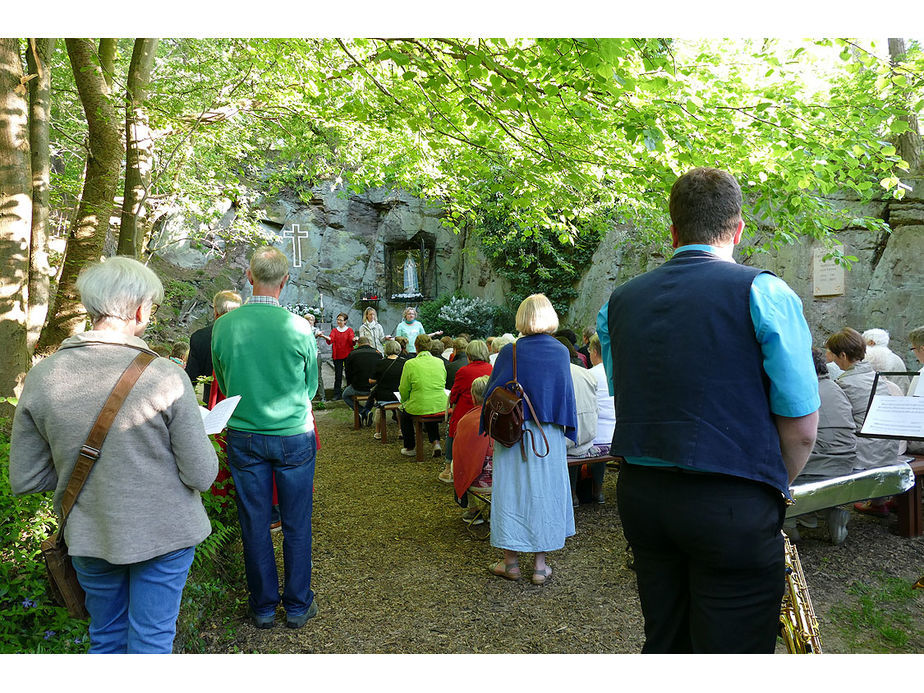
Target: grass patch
879, 616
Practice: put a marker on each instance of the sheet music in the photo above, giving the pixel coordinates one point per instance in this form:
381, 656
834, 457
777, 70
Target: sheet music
895, 416
216, 419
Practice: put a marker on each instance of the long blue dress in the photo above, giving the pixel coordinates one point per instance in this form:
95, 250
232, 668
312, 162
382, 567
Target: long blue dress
531, 501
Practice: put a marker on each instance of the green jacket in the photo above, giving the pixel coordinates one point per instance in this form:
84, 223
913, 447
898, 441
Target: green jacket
268, 356
423, 385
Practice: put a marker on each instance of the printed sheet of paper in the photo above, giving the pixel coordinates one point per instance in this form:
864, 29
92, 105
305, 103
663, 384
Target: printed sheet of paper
895, 416
216, 419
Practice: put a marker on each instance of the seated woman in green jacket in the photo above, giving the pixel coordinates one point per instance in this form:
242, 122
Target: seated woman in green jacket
423, 391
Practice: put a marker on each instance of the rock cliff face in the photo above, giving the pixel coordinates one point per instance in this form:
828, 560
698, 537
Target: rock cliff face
884, 288
343, 240
337, 245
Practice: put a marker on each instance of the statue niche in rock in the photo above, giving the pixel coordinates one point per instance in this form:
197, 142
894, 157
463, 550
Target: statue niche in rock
411, 281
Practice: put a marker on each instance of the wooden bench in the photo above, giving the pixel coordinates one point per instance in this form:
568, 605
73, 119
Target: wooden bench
358, 401
381, 426
610, 461
419, 420
910, 521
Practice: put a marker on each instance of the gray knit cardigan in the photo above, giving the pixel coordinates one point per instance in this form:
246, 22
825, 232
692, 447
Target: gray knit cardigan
142, 497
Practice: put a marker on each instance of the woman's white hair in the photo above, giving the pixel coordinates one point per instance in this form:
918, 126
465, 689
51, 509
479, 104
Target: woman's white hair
502, 341
877, 337
116, 287
536, 316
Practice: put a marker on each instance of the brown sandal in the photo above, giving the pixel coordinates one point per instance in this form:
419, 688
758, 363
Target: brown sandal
500, 570
540, 576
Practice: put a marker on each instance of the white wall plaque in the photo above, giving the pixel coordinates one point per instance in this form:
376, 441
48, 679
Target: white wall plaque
827, 277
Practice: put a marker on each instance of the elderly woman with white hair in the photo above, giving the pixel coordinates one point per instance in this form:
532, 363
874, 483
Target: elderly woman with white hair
133, 531
531, 502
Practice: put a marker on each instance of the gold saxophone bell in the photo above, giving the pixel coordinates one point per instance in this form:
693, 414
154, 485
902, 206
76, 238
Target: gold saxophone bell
798, 625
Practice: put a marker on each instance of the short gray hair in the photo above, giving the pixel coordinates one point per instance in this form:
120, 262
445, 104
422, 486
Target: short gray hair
268, 265
116, 287
363, 341
503, 341
477, 350
392, 348
479, 385
225, 302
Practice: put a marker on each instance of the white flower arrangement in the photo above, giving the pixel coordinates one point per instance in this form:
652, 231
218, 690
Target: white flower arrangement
409, 296
303, 309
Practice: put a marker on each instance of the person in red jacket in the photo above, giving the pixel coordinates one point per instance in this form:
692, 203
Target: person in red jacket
460, 397
341, 340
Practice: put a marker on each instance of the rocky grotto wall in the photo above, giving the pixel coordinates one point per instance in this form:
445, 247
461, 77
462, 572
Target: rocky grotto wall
343, 241
884, 288
338, 246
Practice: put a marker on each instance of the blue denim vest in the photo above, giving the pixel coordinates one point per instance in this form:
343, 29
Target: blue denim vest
688, 371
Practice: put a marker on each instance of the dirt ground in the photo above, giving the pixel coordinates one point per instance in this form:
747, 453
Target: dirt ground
397, 571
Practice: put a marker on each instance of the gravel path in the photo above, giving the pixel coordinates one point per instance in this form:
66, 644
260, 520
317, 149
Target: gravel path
396, 571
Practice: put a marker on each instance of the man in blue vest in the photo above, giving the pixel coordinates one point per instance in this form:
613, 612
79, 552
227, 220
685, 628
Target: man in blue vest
715, 415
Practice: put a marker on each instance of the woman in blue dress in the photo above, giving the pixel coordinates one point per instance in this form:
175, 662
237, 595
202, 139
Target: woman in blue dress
531, 501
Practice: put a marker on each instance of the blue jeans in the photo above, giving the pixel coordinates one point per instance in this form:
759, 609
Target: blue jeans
350, 392
133, 607
253, 459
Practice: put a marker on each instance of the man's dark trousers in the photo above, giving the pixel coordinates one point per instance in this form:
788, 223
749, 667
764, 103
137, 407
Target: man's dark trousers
709, 557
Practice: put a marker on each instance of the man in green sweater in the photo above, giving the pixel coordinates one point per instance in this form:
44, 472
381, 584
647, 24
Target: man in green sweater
268, 356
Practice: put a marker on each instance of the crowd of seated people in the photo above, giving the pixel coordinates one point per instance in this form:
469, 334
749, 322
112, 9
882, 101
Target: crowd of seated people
446, 376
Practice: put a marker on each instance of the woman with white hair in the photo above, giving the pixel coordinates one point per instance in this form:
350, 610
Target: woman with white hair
133, 531
531, 502
411, 328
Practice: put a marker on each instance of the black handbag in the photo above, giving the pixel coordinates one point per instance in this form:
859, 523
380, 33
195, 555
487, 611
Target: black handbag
62, 578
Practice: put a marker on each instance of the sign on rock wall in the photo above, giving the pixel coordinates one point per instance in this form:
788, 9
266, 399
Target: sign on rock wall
827, 277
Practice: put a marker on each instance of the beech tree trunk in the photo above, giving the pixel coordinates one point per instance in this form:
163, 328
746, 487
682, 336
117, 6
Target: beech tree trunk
104, 159
139, 149
38, 61
15, 219
107, 52
909, 143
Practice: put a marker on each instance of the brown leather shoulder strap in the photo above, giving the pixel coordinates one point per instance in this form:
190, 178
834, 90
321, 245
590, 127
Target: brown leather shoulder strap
89, 453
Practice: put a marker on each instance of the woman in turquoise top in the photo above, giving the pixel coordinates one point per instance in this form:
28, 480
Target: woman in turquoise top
410, 328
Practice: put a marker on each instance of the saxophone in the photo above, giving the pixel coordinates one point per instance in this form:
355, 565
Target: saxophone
798, 625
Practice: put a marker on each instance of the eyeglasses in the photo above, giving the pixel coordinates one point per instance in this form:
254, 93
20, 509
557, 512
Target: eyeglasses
154, 307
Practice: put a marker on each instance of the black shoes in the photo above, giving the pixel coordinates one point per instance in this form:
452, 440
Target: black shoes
261, 621
299, 621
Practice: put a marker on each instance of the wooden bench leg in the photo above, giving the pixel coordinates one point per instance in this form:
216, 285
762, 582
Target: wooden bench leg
418, 432
356, 425
910, 522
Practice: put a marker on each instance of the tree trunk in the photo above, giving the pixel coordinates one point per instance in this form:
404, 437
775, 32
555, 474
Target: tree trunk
909, 142
104, 159
38, 60
15, 219
107, 52
139, 152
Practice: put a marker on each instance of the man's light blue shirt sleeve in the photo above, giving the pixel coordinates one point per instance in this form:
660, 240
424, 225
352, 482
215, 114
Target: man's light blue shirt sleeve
786, 343
603, 332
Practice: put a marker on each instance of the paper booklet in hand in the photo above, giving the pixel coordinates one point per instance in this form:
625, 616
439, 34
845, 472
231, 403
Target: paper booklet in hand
216, 419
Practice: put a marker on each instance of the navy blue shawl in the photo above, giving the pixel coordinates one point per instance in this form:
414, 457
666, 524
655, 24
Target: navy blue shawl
544, 371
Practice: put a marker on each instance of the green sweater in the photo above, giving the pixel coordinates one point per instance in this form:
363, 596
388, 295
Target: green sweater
268, 356
423, 385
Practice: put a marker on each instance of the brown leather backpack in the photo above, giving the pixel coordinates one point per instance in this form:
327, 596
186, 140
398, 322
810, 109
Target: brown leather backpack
504, 415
